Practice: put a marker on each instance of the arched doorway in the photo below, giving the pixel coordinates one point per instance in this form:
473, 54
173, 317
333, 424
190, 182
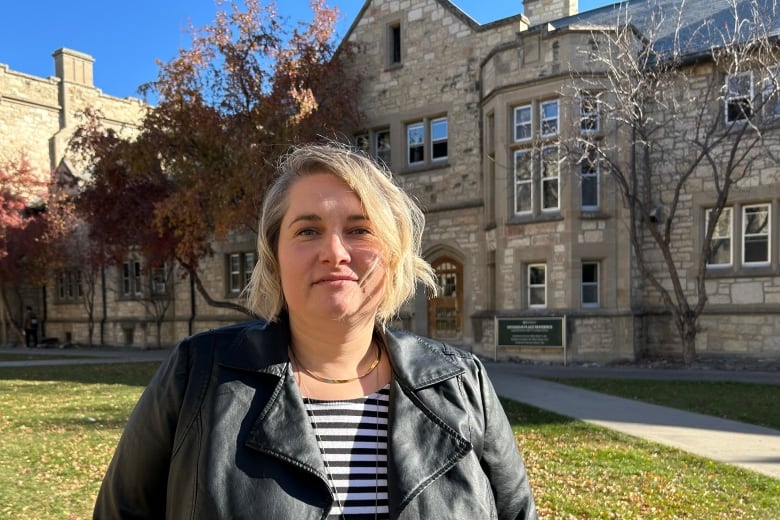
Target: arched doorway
445, 320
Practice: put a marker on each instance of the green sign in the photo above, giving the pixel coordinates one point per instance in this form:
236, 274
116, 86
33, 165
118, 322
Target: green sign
531, 332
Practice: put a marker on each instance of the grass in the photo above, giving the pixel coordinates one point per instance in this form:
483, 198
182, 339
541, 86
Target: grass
59, 426
37, 357
582, 471
745, 402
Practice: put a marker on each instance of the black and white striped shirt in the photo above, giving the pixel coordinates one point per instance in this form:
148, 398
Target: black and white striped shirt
352, 435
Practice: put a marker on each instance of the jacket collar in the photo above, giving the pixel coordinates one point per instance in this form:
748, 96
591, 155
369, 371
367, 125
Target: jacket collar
422, 444
417, 362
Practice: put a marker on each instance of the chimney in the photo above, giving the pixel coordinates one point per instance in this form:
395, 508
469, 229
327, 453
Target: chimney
73, 67
543, 11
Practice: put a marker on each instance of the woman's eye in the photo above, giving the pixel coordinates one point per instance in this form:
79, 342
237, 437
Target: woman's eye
361, 231
306, 232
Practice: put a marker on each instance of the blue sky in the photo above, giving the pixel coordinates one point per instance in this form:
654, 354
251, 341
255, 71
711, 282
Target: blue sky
126, 38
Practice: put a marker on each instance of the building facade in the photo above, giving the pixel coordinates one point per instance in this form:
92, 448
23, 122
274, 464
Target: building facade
526, 241
531, 247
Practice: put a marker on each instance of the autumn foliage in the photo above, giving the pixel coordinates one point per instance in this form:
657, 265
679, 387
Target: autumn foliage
228, 107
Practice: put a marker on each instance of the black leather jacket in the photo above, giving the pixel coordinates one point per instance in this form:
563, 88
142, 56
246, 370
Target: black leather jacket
221, 432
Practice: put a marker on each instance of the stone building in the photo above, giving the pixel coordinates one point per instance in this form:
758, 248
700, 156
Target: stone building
532, 248
37, 119
130, 304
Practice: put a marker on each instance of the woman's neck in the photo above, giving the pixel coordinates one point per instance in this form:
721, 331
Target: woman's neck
337, 351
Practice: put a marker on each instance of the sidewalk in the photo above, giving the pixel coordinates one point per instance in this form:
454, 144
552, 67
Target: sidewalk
753, 447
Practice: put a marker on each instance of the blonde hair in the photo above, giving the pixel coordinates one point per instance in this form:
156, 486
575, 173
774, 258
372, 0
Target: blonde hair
397, 221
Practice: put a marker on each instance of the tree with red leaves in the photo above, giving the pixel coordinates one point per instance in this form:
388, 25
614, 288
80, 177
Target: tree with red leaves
31, 217
229, 107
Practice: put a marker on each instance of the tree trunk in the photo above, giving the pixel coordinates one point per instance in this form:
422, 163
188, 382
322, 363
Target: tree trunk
688, 337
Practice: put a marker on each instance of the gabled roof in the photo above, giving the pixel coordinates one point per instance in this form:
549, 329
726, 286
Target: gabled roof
453, 9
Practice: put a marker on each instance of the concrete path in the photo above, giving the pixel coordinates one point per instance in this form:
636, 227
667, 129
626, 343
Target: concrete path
732, 442
752, 447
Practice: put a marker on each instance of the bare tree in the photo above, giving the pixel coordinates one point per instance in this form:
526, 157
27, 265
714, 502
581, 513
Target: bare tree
686, 100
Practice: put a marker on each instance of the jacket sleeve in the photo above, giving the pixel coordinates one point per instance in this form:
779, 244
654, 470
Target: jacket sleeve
501, 459
136, 481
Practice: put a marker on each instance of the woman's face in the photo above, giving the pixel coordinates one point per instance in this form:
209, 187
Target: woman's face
330, 258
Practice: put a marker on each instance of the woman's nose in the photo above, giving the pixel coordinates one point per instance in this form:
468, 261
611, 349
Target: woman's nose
335, 249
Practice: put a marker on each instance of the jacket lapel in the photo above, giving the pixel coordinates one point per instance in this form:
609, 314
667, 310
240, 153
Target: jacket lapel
421, 445
282, 429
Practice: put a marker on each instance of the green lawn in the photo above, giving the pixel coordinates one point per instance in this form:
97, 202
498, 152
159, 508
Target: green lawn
59, 426
754, 404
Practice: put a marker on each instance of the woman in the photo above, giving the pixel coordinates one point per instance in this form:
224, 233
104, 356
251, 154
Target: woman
319, 410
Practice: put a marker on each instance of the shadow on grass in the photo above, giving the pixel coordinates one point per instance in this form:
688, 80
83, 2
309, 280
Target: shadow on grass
520, 414
132, 374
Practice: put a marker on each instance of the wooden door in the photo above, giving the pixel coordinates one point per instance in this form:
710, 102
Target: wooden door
445, 318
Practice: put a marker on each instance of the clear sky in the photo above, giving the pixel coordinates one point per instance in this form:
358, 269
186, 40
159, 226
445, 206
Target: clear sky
126, 38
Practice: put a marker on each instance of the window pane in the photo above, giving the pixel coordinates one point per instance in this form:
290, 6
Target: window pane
756, 249
589, 114
249, 265
739, 97
756, 220
590, 272
536, 285
550, 195
522, 165
536, 275
756, 234
720, 247
522, 123
415, 140
590, 191
439, 129
383, 146
363, 144
536, 296
590, 283
523, 181
439, 139
720, 251
523, 198
549, 118
235, 272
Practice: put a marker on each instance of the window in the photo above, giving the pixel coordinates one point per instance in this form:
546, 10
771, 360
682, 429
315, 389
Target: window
394, 43
549, 120
375, 144
739, 97
363, 143
131, 279
771, 94
590, 122
523, 123
719, 252
589, 178
755, 236
159, 279
550, 178
523, 181
537, 285
439, 139
240, 267
382, 146
417, 139
69, 286
590, 284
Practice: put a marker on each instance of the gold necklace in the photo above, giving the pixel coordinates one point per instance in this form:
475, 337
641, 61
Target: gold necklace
339, 381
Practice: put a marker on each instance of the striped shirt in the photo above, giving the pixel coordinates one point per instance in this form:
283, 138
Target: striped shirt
352, 436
